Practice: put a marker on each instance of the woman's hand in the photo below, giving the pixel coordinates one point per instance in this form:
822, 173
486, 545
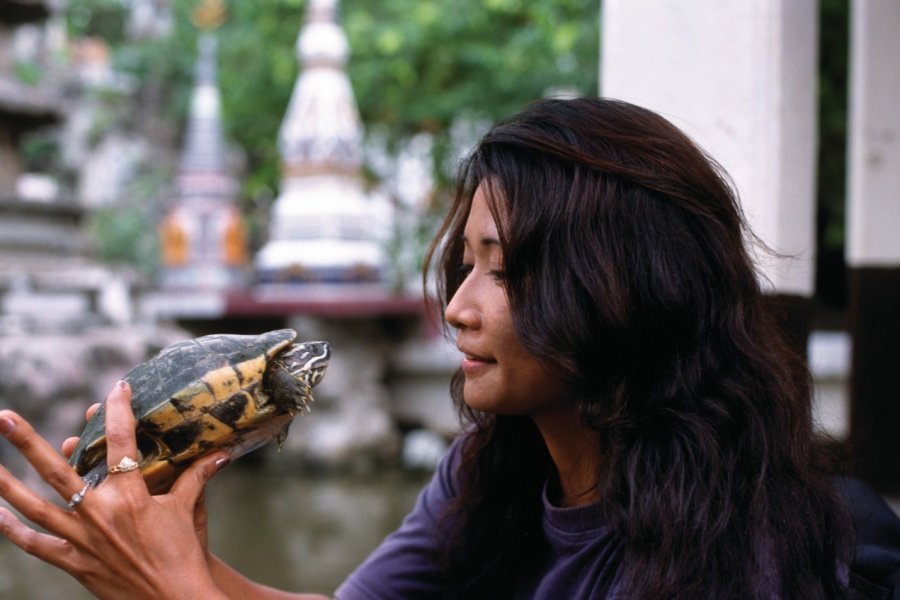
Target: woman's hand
201, 517
119, 541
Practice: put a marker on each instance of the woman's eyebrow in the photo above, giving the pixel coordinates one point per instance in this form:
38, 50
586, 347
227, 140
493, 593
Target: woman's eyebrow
483, 241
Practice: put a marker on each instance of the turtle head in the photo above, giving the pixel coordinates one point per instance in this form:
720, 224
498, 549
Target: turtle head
295, 371
307, 361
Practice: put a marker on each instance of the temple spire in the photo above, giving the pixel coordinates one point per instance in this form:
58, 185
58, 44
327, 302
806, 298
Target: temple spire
324, 228
203, 152
321, 131
203, 237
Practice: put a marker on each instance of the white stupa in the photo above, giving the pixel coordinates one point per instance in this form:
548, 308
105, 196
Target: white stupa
324, 228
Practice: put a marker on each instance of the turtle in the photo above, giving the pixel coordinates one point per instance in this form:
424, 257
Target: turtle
222, 391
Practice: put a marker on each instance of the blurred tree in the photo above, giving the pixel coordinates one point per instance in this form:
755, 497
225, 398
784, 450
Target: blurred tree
125, 232
97, 18
423, 66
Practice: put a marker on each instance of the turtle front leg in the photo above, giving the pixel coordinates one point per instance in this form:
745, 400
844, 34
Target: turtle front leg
287, 391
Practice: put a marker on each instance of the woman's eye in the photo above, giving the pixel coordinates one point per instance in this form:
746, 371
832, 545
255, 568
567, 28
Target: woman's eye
499, 275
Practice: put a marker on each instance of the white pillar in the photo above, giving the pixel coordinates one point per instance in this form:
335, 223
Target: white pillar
873, 216
873, 240
739, 78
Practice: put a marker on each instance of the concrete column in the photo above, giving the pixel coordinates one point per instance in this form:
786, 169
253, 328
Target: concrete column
873, 241
740, 78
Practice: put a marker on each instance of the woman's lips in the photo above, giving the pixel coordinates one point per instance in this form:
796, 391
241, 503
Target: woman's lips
473, 363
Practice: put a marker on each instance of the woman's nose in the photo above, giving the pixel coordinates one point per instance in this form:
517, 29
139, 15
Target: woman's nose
462, 313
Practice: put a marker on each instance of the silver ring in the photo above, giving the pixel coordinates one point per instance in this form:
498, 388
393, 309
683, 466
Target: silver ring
78, 497
125, 465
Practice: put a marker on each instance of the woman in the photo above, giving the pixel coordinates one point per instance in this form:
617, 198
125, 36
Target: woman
638, 427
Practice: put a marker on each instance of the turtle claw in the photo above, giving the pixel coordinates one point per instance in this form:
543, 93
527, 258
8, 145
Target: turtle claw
282, 436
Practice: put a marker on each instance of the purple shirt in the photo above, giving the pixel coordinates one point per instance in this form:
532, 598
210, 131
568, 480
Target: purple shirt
580, 556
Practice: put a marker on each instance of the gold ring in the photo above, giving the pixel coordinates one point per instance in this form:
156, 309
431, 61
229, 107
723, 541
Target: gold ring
78, 497
125, 465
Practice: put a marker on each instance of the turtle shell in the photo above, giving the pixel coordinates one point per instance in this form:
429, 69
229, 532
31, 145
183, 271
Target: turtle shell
201, 395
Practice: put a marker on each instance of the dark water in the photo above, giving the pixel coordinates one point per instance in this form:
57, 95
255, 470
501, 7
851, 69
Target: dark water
297, 533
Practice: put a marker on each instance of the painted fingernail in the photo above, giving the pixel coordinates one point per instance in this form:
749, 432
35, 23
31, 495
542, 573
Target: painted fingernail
222, 463
122, 384
7, 425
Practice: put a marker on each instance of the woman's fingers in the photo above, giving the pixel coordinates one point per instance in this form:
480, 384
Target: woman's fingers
68, 446
190, 485
51, 466
201, 523
120, 439
33, 507
91, 410
46, 547
190, 488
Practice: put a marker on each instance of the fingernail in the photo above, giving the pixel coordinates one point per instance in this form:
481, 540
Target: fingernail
222, 463
7, 425
122, 384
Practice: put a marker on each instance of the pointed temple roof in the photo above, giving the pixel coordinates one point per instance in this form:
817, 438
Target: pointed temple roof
321, 130
202, 237
324, 228
202, 168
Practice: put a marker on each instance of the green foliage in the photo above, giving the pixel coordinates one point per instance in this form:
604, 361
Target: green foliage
422, 66
125, 233
118, 234
257, 70
831, 284
97, 18
28, 72
833, 89
40, 151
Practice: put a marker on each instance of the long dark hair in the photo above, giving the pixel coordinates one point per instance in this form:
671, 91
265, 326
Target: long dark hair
627, 270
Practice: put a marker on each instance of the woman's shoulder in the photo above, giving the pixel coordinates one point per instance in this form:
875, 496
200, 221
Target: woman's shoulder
876, 563
445, 477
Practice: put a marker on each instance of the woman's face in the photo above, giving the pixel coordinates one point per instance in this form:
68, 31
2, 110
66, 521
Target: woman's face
500, 376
